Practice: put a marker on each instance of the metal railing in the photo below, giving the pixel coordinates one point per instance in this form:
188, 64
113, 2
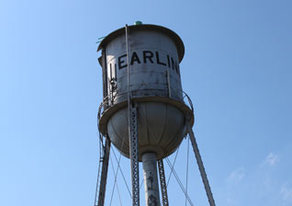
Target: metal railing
108, 101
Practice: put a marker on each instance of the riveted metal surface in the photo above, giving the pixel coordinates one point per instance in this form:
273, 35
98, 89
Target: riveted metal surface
154, 113
161, 128
155, 86
154, 66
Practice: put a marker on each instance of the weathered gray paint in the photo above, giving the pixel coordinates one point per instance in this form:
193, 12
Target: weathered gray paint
150, 179
151, 54
160, 128
155, 84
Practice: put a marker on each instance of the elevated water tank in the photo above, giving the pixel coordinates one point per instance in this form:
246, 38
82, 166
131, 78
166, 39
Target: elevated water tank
154, 53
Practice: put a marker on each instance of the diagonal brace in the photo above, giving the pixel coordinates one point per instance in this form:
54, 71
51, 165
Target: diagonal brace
201, 167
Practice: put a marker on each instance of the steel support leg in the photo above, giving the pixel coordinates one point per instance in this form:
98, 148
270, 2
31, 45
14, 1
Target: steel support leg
201, 167
163, 183
104, 171
150, 179
133, 146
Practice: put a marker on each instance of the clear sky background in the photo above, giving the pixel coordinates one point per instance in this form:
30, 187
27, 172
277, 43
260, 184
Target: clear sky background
237, 69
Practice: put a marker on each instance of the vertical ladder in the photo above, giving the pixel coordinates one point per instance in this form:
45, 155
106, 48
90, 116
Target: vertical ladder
133, 146
133, 133
162, 183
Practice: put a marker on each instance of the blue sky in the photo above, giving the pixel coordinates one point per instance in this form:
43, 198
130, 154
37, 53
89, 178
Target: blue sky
237, 70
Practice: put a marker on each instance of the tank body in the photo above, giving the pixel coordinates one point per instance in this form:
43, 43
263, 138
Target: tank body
154, 65
155, 85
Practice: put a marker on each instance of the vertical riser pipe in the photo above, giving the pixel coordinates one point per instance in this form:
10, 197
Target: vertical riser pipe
150, 179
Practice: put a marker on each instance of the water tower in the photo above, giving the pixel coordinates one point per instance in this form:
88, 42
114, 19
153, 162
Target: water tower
143, 113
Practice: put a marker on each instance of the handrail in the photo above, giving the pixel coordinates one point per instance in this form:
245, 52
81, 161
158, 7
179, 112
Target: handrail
105, 103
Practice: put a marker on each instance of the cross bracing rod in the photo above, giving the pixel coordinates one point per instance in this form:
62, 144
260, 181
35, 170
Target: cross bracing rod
201, 167
104, 171
162, 183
